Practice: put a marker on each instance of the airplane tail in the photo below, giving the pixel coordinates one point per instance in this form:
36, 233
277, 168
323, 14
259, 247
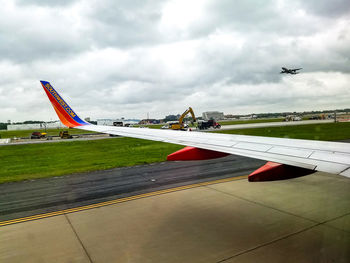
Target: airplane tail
67, 116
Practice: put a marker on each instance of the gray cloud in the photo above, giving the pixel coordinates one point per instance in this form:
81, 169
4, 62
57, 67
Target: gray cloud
54, 3
124, 23
327, 8
127, 58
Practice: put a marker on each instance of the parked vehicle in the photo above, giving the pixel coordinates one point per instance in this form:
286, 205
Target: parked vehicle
38, 135
203, 125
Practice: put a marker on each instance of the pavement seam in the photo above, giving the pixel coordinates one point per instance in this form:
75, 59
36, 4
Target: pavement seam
266, 206
279, 239
323, 223
333, 219
78, 238
269, 243
286, 212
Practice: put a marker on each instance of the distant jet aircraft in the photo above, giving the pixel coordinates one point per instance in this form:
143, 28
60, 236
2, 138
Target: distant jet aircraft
290, 71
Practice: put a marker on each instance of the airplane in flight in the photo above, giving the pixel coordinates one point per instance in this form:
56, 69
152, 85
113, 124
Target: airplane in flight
287, 158
290, 71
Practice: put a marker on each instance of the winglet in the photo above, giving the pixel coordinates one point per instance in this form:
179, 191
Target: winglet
67, 116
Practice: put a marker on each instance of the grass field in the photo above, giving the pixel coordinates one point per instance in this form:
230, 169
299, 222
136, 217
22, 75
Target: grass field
323, 132
20, 162
250, 121
27, 133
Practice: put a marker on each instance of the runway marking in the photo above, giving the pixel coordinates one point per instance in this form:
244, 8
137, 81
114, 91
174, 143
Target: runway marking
116, 201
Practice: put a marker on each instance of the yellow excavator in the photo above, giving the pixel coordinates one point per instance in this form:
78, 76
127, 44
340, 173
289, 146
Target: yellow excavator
180, 125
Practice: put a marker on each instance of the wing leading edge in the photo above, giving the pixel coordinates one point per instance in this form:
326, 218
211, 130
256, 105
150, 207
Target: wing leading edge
332, 157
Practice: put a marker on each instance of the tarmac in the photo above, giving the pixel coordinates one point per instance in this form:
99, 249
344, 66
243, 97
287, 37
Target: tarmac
306, 219
32, 197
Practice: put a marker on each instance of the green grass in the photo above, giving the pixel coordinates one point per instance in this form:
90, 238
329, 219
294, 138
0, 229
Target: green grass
323, 132
154, 126
27, 133
20, 162
250, 121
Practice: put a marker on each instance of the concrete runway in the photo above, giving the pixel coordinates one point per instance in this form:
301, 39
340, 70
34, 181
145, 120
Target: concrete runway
306, 219
28, 198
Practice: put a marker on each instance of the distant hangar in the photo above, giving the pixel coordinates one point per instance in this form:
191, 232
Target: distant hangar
213, 115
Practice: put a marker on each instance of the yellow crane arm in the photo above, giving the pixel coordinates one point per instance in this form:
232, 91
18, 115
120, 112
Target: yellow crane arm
189, 110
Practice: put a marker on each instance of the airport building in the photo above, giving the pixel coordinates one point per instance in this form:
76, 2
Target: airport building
213, 115
116, 122
35, 126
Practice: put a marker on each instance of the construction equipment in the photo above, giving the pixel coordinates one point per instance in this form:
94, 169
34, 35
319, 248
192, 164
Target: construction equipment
65, 135
208, 124
118, 123
180, 124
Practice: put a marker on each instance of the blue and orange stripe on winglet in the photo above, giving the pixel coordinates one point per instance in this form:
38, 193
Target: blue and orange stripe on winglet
67, 116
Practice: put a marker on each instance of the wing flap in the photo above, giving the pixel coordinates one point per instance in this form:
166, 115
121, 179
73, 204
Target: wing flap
291, 151
252, 146
331, 156
346, 173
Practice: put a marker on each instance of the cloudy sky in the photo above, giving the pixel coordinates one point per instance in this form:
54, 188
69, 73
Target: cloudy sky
112, 59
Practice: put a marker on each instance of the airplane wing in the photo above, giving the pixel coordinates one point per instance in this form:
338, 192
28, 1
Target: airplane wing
332, 157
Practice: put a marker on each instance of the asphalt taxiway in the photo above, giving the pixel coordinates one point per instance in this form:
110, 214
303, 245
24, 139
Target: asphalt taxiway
32, 197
